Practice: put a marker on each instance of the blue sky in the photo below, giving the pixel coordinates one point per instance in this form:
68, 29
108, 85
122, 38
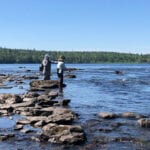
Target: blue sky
69, 25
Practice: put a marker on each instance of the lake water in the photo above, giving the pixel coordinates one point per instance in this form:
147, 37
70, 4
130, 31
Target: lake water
97, 87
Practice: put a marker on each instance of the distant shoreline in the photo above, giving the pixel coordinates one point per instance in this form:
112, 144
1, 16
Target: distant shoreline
22, 56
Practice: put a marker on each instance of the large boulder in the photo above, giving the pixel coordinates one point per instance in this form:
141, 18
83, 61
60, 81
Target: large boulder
43, 84
38, 85
63, 134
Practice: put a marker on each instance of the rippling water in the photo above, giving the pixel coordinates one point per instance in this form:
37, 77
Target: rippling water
97, 87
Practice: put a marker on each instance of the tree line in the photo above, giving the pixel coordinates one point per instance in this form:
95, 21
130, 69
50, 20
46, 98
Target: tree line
8, 55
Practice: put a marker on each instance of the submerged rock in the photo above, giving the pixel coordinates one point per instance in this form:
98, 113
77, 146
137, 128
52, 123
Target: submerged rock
6, 136
107, 115
119, 72
26, 131
131, 115
30, 77
70, 76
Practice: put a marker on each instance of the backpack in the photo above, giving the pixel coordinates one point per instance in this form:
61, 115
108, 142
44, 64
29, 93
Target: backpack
41, 67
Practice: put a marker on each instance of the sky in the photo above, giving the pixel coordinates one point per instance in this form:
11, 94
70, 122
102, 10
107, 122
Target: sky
76, 25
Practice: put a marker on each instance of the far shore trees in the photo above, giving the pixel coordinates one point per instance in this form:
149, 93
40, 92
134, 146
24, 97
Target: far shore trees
8, 55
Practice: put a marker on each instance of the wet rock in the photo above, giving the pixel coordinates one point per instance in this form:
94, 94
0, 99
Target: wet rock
24, 104
24, 109
4, 137
63, 102
10, 98
63, 134
40, 123
34, 119
62, 116
30, 95
30, 77
50, 115
116, 124
5, 106
14, 99
144, 122
27, 99
43, 137
2, 86
130, 115
44, 84
53, 94
23, 113
18, 127
72, 69
3, 112
118, 72
106, 129
107, 115
70, 76
21, 67
10, 79
26, 131
46, 103
23, 122
43, 97
19, 82
39, 112
28, 70
35, 139
2, 75
10, 109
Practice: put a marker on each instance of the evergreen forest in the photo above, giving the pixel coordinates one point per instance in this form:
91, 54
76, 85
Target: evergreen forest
8, 55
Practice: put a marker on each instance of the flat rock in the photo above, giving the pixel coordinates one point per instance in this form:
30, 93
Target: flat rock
47, 84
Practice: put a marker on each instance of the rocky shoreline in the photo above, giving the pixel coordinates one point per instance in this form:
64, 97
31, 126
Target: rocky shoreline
42, 108
43, 111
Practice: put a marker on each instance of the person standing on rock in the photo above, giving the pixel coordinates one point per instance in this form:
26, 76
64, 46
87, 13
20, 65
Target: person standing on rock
61, 67
46, 63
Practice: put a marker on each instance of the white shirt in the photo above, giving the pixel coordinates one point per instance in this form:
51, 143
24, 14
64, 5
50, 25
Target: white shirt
61, 66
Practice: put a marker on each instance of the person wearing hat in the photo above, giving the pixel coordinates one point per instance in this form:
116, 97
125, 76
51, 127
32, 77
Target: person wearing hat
46, 63
61, 67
